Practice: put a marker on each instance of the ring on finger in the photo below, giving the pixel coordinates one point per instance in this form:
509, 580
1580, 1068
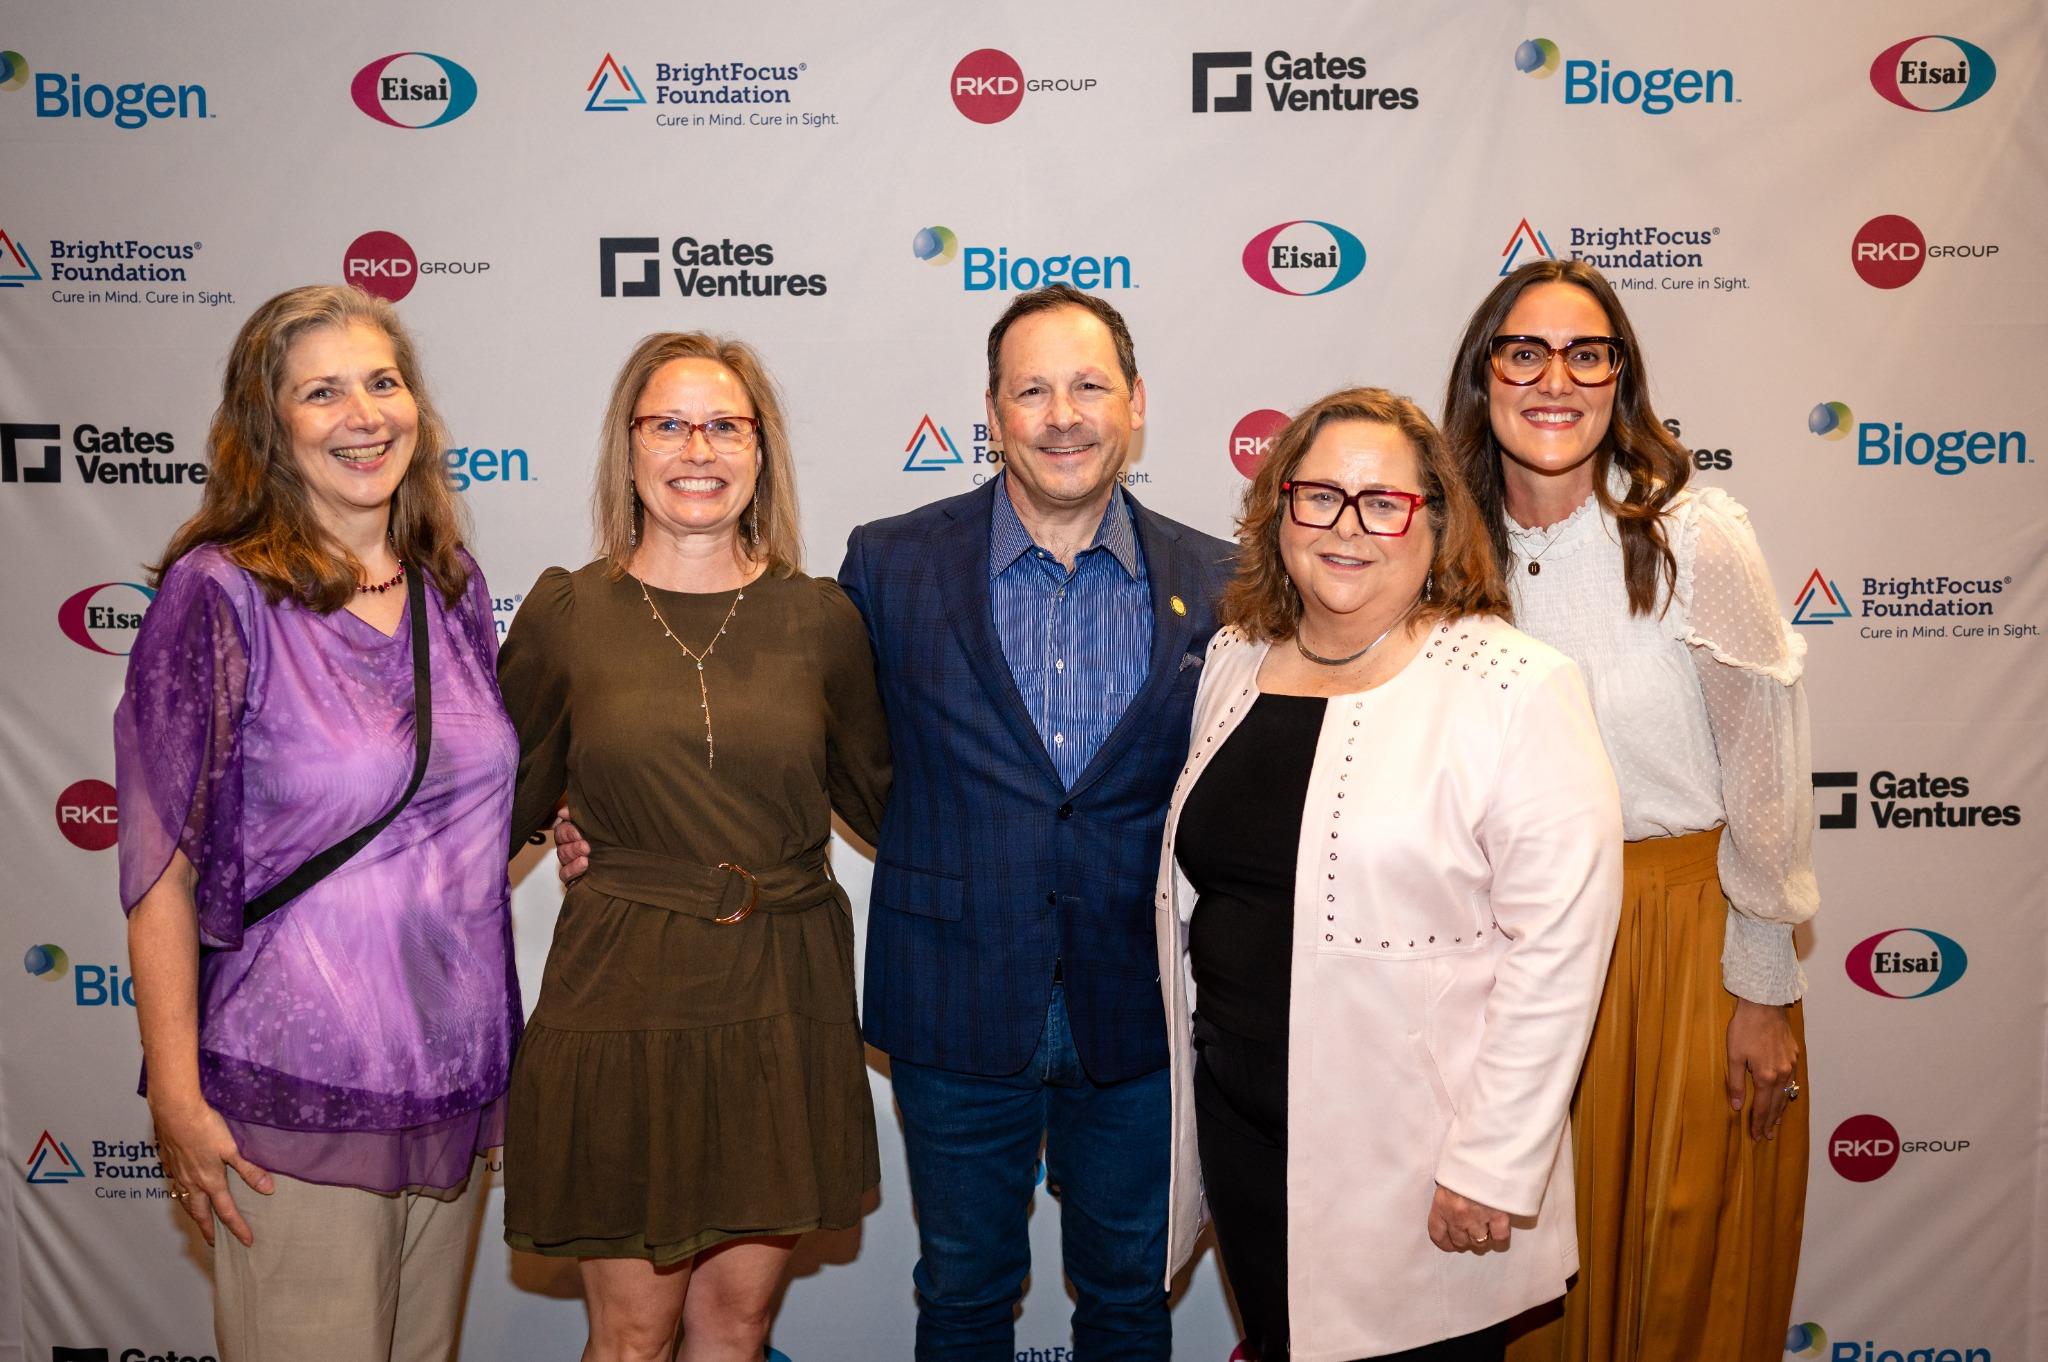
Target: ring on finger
1791, 1092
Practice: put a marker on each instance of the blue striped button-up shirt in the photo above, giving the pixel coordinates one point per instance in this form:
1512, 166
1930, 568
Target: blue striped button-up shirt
1078, 643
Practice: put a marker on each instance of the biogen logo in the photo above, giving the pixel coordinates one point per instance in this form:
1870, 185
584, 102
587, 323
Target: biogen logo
1864, 1148
1909, 962
88, 816
381, 263
988, 85
1251, 439
104, 618
1304, 258
1888, 251
1933, 73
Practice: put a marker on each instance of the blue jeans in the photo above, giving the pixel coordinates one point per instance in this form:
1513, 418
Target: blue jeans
972, 1147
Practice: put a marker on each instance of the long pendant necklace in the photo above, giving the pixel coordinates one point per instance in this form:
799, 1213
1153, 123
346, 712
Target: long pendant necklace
703, 690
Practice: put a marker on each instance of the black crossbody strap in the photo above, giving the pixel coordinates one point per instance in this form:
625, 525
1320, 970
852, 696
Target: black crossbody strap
336, 856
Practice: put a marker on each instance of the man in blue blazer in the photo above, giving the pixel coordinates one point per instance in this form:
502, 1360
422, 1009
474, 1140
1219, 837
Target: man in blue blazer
1038, 642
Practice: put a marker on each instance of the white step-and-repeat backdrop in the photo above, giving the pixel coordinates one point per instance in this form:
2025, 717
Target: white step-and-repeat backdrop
1826, 221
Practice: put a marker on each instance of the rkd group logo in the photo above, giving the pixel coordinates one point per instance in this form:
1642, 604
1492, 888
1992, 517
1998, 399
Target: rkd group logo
1251, 439
989, 268
1889, 251
88, 816
1303, 258
702, 268
1866, 1147
383, 263
414, 90
104, 618
1656, 91
987, 85
1933, 73
131, 104
1294, 84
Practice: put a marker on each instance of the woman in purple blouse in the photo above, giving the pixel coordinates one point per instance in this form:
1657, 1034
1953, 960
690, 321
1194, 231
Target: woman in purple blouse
347, 1054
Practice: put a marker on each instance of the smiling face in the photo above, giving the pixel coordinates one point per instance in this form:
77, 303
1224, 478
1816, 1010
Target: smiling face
351, 420
694, 490
1353, 583
1064, 411
1552, 428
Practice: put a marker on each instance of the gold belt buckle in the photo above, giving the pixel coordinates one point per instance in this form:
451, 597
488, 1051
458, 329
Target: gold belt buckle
753, 893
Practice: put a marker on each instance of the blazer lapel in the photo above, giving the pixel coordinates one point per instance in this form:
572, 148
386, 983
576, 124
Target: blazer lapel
962, 568
1169, 580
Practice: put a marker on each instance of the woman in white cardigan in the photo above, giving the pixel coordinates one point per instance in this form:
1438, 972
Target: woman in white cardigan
1691, 1140
1388, 889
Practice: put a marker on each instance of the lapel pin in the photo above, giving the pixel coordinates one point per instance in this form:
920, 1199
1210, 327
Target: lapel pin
1180, 607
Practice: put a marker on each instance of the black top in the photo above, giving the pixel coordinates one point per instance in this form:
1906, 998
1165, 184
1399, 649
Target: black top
1238, 835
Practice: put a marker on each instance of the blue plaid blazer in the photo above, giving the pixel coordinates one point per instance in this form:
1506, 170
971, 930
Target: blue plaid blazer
988, 871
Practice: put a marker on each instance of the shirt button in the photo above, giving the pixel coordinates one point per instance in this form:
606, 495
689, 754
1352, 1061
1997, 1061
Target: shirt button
1059, 664
1059, 740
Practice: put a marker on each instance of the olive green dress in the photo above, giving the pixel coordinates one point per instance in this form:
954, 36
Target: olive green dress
684, 1081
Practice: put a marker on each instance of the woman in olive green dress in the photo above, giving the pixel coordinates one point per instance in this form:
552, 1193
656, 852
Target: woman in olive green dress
691, 1093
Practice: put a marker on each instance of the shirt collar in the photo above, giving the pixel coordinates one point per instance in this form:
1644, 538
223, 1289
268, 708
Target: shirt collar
1008, 540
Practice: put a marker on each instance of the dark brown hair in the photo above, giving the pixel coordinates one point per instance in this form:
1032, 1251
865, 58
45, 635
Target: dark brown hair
1656, 465
1464, 575
1048, 299
780, 543
256, 506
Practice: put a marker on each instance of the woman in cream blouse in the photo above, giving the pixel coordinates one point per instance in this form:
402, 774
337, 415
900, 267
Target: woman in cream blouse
1387, 892
1691, 1137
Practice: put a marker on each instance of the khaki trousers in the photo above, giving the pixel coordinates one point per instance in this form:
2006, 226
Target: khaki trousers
1688, 1229
345, 1275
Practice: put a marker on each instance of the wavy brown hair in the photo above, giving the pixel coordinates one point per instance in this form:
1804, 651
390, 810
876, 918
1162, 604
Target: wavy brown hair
1464, 575
779, 542
256, 505
1656, 465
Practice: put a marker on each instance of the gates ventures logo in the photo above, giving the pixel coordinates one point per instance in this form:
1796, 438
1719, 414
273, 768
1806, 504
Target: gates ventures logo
1906, 962
703, 268
1304, 258
1933, 73
1912, 801
103, 456
1293, 84
988, 85
88, 816
1656, 91
104, 618
1889, 251
414, 90
383, 263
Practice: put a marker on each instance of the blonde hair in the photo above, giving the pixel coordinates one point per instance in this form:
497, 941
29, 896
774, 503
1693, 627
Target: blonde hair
779, 535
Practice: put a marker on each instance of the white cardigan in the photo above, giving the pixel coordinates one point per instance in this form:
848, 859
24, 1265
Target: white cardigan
1457, 885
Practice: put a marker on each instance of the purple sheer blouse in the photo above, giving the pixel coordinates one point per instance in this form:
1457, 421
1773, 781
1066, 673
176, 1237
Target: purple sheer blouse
362, 1034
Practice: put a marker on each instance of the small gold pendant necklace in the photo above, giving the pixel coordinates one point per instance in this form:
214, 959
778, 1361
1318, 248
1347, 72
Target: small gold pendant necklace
703, 690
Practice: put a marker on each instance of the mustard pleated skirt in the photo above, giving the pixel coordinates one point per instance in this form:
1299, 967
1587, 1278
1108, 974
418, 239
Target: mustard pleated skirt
1688, 1229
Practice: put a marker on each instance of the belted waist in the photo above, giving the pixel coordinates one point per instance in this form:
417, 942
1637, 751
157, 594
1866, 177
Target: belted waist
726, 892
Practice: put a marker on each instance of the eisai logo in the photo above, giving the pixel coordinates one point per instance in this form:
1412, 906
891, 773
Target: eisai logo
1304, 258
104, 618
414, 90
1933, 73
1907, 962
